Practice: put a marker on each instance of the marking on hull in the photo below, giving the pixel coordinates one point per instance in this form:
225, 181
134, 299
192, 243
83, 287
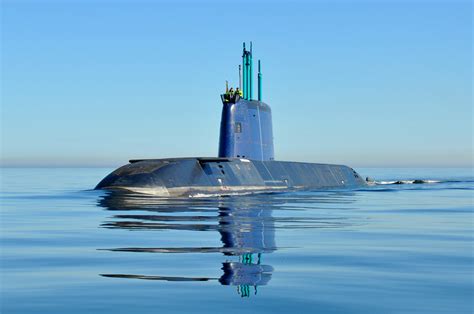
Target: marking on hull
204, 190
156, 191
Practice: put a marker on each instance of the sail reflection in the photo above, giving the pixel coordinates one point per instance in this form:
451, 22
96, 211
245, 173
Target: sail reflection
246, 226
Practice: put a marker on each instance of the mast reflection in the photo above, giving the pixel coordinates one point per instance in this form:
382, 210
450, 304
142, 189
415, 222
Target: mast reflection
249, 233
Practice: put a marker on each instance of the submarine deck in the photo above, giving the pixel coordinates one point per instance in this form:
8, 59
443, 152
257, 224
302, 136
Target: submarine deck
210, 175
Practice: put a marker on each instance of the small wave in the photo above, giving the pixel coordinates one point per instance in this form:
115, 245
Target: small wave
417, 181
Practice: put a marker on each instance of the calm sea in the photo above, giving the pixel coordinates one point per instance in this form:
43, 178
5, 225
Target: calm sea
388, 248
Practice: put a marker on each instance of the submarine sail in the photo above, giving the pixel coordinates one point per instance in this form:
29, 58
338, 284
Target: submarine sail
246, 124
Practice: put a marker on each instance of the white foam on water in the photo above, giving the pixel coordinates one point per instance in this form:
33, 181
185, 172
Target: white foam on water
431, 181
418, 181
385, 182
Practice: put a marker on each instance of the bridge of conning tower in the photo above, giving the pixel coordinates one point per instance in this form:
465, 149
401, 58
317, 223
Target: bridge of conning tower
246, 124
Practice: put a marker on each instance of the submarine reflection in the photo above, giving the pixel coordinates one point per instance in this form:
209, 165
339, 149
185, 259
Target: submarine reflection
247, 230
246, 225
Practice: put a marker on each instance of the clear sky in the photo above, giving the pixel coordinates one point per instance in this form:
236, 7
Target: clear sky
365, 83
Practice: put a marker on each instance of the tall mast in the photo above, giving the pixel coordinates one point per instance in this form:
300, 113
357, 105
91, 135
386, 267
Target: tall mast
259, 82
244, 74
240, 77
250, 95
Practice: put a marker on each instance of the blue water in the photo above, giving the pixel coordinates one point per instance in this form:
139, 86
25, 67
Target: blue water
383, 249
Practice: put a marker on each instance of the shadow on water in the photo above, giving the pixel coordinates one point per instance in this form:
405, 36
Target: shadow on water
246, 225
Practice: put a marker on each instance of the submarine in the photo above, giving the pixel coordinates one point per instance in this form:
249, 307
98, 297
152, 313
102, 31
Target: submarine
245, 162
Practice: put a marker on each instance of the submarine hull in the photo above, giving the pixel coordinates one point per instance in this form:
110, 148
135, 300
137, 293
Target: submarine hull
178, 177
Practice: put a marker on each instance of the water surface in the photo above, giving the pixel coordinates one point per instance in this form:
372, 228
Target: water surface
388, 248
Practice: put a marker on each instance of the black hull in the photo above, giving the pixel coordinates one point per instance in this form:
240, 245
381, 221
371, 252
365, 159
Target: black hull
178, 177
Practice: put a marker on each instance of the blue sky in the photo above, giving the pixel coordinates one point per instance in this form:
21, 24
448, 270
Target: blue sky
364, 83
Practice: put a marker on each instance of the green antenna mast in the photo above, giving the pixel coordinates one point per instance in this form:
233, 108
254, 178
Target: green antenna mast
247, 86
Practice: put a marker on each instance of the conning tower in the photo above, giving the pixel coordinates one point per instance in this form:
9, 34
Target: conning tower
246, 124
